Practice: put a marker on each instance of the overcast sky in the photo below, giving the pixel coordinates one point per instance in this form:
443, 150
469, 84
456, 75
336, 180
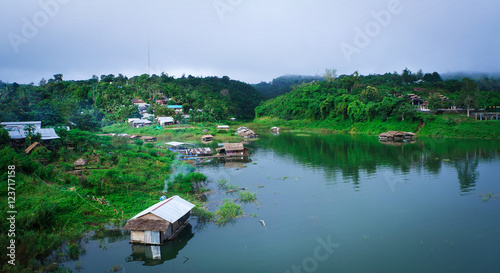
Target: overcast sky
247, 40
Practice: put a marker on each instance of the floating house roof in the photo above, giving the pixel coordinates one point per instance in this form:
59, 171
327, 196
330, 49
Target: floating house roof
176, 143
171, 209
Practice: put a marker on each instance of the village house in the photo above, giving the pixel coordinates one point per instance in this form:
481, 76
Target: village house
18, 131
207, 138
160, 222
140, 123
223, 127
164, 121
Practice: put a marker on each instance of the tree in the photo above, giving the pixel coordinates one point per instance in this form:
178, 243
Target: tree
469, 95
4, 137
330, 74
42, 82
58, 77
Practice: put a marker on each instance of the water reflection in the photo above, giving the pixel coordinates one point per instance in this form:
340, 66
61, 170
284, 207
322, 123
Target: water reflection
467, 172
352, 155
155, 255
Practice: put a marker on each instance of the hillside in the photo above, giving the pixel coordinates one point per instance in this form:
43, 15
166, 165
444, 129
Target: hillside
96, 102
375, 103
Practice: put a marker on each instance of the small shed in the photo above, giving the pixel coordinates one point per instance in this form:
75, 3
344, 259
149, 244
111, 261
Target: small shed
207, 138
160, 222
223, 127
233, 149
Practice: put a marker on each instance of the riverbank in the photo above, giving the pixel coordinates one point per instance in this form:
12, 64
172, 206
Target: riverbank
448, 126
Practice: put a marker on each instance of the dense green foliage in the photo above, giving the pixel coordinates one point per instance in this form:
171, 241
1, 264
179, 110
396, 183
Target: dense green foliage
283, 84
227, 212
92, 103
356, 103
58, 202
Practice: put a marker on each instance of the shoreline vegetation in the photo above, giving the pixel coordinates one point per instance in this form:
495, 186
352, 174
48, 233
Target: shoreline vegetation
59, 201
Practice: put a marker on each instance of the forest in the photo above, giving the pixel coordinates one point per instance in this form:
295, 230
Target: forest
97, 102
387, 98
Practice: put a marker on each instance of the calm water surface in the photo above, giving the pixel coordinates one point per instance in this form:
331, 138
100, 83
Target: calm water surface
337, 203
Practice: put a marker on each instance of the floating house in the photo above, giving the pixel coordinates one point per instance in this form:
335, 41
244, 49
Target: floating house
233, 149
244, 132
206, 151
160, 222
207, 138
396, 136
179, 147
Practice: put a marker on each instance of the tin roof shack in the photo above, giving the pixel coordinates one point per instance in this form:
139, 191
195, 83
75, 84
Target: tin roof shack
179, 147
233, 149
160, 222
206, 151
396, 136
223, 127
19, 132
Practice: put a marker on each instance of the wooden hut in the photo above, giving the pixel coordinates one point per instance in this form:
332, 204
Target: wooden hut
233, 149
207, 138
160, 222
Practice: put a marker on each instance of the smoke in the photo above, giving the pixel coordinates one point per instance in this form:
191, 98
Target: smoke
178, 167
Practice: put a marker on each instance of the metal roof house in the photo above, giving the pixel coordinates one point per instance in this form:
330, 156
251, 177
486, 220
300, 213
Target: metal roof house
160, 222
18, 130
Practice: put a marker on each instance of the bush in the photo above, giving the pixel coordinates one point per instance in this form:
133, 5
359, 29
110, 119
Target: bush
227, 212
247, 196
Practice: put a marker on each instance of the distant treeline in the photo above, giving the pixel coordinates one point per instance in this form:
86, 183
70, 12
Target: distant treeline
92, 103
283, 84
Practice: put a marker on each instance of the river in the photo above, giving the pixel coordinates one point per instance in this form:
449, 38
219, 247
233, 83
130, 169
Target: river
336, 203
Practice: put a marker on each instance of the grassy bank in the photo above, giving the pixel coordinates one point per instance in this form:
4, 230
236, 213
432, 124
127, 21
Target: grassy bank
58, 202
453, 126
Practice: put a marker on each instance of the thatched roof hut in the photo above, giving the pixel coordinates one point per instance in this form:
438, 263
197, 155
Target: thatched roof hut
233, 149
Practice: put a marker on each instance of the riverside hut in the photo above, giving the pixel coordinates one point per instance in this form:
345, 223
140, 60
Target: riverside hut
160, 222
233, 149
